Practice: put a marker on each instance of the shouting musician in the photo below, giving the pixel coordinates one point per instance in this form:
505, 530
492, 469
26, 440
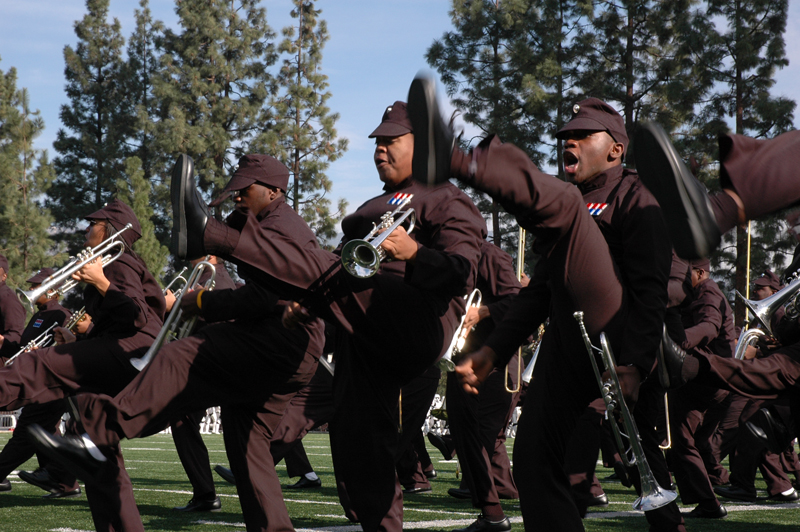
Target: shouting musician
614, 268
19, 448
127, 307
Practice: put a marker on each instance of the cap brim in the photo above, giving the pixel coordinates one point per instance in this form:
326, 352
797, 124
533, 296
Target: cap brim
581, 124
238, 182
389, 129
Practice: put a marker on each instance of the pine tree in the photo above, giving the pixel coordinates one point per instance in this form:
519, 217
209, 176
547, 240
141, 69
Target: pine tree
27, 174
97, 121
300, 128
135, 192
213, 84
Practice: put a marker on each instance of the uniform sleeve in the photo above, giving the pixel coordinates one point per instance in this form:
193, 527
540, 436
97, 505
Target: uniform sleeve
249, 301
124, 304
446, 264
647, 256
527, 310
707, 320
12, 314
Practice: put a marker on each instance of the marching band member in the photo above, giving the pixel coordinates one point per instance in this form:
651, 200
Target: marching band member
614, 270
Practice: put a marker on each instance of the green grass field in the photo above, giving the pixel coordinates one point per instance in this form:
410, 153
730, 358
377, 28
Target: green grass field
160, 484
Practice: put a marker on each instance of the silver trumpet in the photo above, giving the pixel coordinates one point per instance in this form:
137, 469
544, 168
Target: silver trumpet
43, 340
460, 337
653, 495
174, 327
177, 279
362, 257
763, 310
62, 282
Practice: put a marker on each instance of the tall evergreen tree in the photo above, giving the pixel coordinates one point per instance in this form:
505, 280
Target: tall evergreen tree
300, 128
747, 38
92, 146
134, 190
213, 84
27, 174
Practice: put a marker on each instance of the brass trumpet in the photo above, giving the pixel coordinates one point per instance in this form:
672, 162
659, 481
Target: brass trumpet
43, 340
460, 337
174, 328
653, 495
362, 257
520, 272
76, 319
62, 282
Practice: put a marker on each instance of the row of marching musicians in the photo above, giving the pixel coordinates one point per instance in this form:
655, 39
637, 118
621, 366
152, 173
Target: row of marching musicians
602, 278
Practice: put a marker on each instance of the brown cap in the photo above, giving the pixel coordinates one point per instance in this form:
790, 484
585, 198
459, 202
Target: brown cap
41, 275
702, 264
395, 122
593, 114
258, 168
769, 279
119, 215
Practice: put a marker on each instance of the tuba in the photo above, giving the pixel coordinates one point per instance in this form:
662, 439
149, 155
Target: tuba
174, 328
62, 282
362, 257
653, 495
460, 337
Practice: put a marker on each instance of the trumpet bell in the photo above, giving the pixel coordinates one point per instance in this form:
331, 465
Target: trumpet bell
654, 499
361, 259
29, 297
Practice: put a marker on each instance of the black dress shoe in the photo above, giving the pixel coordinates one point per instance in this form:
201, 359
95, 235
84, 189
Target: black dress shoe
430, 474
433, 139
41, 479
460, 493
700, 512
69, 451
5, 485
62, 494
769, 430
189, 211
785, 497
484, 525
683, 199
417, 490
199, 505
600, 500
440, 443
304, 483
670, 358
226, 474
735, 492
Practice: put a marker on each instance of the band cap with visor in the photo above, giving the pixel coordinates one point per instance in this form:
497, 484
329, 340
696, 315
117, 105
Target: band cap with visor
593, 114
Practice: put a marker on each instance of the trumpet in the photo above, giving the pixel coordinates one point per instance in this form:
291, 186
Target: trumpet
527, 375
174, 328
460, 337
177, 279
43, 340
62, 282
653, 495
362, 257
76, 319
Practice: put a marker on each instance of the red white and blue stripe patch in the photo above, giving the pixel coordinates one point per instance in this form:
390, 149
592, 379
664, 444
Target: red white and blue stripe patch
38, 323
596, 208
399, 198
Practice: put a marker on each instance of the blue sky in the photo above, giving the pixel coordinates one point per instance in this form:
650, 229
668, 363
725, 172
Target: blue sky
375, 49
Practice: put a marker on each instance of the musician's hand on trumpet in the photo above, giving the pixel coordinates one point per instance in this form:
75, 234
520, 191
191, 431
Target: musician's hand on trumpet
474, 315
294, 314
169, 297
62, 335
399, 245
189, 305
473, 368
630, 380
92, 273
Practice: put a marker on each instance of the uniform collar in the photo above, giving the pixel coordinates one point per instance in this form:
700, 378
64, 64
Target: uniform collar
403, 185
266, 211
602, 179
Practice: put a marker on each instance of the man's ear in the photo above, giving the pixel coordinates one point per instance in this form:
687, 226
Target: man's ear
617, 150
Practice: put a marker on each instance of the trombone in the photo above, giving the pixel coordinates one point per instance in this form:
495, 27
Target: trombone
61, 281
43, 340
362, 257
174, 328
460, 337
653, 495
520, 271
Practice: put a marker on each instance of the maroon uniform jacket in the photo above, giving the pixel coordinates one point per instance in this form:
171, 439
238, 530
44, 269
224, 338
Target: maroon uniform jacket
52, 312
12, 314
708, 321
